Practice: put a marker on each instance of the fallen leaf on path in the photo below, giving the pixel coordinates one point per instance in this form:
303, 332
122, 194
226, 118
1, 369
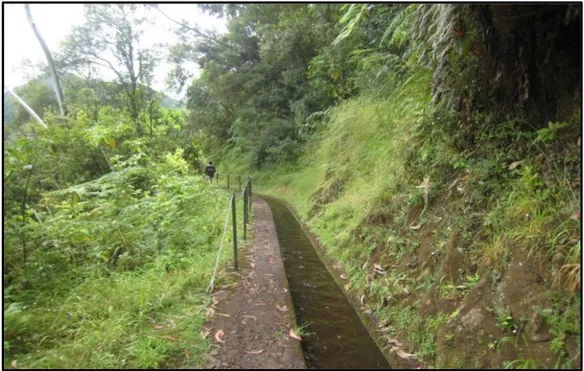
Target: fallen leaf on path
157, 327
205, 332
171, 338
293, 335
210, 312
252, 265
344, 276
363, 299
222, 314
254, 351
218, 335
392, 342
282, 309
347, 287
260, 303
402, 354
285, 290
13, 364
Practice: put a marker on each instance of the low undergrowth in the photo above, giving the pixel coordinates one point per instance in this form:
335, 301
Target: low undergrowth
112, 273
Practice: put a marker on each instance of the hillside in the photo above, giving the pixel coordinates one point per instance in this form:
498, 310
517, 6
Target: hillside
457, 227
415, 172
487, 256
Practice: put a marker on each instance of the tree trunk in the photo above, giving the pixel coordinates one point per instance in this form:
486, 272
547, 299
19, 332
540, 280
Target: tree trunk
56, 83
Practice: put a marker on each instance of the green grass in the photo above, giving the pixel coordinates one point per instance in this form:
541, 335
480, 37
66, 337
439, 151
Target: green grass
144, 312
112, 322
357, 185
300, 330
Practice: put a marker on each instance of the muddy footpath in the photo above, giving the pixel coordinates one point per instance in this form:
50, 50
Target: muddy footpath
252, 322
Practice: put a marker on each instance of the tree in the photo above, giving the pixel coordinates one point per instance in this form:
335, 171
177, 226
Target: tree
110, 38
256, 95
56, 83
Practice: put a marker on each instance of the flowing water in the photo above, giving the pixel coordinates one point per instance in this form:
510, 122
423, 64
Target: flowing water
336, 337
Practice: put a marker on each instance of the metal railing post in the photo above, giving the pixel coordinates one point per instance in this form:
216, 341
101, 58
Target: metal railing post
245, 214
250, 198
234, 232
239, 181
217, 178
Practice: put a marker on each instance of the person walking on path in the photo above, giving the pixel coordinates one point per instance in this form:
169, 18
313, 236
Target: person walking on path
210, 171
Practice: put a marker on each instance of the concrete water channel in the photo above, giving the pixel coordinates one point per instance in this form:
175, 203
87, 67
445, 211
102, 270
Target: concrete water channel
336, 337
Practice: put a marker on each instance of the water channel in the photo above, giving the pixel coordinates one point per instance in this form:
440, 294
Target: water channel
336, 337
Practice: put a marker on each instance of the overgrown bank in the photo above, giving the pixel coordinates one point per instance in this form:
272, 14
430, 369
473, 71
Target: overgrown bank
114, 271
442, 174
434, 149
486, 274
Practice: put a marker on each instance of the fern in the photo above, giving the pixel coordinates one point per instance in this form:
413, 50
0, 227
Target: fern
352, 17
399, 26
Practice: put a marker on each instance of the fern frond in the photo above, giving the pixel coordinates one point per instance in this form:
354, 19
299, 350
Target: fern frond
352, 18
399, 24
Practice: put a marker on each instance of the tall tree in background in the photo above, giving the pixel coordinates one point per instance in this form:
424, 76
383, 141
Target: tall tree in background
110, 37
56, 83
256, 95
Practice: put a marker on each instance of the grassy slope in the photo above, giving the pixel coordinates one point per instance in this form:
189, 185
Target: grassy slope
148, 311
497, 229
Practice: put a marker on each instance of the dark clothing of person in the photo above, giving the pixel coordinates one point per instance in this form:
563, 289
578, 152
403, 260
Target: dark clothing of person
210, 171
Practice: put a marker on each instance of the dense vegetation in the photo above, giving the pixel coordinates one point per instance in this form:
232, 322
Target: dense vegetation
110, 232
440, 142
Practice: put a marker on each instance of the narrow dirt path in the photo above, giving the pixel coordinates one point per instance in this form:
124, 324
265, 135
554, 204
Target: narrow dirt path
251, 322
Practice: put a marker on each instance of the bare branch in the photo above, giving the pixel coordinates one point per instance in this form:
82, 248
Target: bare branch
56, 83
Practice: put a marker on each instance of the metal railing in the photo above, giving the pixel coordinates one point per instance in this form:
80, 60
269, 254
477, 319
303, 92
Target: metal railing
228, 179
247, 203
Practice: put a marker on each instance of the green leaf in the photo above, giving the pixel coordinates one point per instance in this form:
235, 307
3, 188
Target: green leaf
75, 198
111, 142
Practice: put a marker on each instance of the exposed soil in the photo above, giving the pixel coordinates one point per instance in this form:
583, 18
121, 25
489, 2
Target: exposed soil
257, 314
